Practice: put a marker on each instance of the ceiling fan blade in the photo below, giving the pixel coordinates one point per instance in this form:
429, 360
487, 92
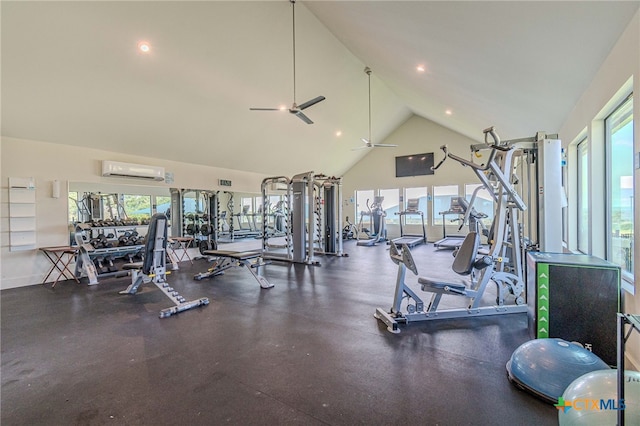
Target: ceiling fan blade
384, 145
302, 117
360, 147
264, 109
366, 141
311, 102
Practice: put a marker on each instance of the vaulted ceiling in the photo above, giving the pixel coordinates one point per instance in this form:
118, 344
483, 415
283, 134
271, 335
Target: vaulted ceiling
72, 73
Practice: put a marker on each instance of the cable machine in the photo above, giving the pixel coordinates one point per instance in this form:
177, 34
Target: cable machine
503, 263
313, 223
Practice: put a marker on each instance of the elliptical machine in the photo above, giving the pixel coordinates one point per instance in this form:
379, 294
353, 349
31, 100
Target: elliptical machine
377, 231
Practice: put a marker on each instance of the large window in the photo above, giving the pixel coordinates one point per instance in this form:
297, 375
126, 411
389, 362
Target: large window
583, 196
619, 150
442, 196
391, 204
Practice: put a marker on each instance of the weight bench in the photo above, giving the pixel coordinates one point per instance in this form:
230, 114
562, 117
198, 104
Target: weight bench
153, 268
225, 259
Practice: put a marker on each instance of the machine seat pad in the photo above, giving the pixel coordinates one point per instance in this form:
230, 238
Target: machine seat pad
238, 255
440, 285
134, 265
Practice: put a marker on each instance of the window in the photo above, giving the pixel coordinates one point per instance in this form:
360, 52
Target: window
483, 202
247, 204
363, 198
136, 206
391, 204
583, 196
442, 196
619, 151
163, 204
258, 210
422, 195
74, 214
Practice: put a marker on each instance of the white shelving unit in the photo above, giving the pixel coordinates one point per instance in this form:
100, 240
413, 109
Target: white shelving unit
22, 214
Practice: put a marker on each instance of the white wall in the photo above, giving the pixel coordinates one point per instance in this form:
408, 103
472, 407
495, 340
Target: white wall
415, 136
46, 162
618, 74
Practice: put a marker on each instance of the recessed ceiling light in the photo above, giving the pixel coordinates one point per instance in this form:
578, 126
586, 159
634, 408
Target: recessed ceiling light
448, 112
338, 133
283, 108
421, 68
144, 47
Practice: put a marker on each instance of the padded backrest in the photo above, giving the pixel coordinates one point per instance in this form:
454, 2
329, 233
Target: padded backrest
463, 264
157, 230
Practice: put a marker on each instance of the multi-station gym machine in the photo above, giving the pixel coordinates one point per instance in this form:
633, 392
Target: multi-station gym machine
530, 166
309, 219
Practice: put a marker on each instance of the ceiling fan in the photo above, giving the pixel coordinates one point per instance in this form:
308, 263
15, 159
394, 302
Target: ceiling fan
295, 108
367, 142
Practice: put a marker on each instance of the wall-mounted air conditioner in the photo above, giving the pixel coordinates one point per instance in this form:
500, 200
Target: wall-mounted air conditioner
137, 171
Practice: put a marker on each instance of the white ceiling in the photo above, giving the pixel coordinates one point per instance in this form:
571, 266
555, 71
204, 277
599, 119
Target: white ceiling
71, 73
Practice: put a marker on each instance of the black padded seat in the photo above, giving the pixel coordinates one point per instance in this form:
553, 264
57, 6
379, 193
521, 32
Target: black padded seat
462, 265
466, 257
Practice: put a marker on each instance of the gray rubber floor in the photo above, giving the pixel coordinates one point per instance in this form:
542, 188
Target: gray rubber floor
307, 351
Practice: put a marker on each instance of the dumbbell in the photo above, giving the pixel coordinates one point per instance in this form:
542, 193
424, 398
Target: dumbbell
110, 266
96, 243
98, 264
122, 239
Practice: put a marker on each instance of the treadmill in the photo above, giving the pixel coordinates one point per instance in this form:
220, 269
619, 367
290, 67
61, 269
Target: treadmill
411, 240
458, 207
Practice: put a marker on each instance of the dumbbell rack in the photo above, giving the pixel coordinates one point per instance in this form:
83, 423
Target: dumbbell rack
96, 255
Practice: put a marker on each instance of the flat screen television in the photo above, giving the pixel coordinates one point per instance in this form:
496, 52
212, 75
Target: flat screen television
414, 165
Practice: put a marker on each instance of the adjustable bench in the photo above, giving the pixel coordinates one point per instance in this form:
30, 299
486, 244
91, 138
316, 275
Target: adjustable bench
225, 259
153, 269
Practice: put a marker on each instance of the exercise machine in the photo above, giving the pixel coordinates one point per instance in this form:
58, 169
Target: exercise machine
501, 265
377, 231
451, 241
411, 240
153, 268
537, 177
481, 270
225, 259
311, 218
350, 231
466, 214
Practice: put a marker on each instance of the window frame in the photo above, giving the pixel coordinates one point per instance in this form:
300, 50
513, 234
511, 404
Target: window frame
624, 108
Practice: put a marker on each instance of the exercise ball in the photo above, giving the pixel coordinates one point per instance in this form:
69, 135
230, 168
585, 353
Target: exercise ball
545, 367
600, 386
